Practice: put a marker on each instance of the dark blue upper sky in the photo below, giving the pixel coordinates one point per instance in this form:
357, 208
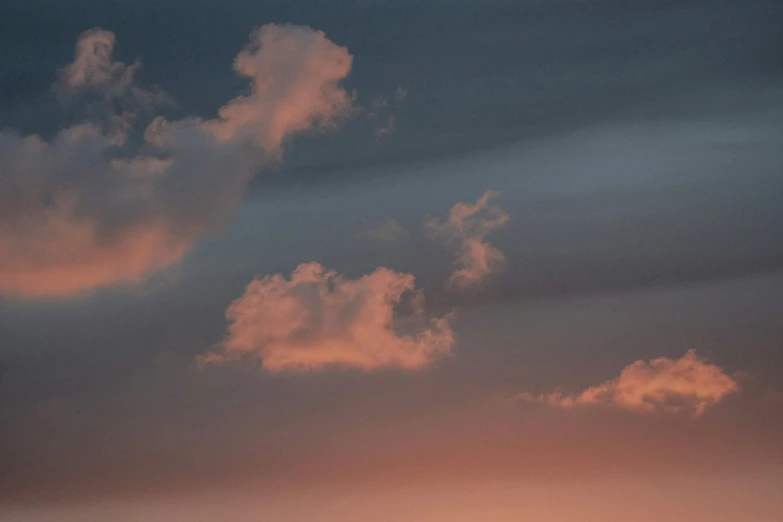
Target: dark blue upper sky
478, 74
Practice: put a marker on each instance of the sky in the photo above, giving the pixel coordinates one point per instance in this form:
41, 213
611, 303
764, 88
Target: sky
391, 260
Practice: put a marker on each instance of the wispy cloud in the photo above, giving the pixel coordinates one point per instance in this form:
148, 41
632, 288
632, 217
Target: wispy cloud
82, 211
467, 227
106, 89
94, 71
387, 231
382, 112
318, 319
664, 385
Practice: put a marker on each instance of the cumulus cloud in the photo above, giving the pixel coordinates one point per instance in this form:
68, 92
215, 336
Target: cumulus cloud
661, 385
318, 318
79, 211
467, 227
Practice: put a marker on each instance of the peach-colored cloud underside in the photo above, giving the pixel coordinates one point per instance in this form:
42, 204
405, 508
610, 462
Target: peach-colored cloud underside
128, 259
73, 219
318, 318
663, 384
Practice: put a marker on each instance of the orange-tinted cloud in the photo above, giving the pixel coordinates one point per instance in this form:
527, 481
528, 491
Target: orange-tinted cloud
467, 227
664, 385
77, 213
318, 318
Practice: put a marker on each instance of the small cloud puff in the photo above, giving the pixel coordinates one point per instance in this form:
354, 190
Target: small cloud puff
319, 319
467, 227
661, 385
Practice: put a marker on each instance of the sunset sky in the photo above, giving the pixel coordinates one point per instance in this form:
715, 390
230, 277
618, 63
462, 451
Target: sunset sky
391, 261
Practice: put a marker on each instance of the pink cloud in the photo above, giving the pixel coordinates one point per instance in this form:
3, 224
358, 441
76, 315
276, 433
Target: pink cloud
93, 67
318, 319
467, 227
76, 214
663, 385
295, 75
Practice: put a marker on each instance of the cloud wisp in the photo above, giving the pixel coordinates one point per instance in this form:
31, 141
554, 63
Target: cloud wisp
319, 319
467, 228
387, 231
86, 210
382, 113
93, 72
688, 384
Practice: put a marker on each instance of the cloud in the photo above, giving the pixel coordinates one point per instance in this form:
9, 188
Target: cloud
318, 318
387, 231
387, 128
295, 77
107, 88
93, 68
661, 385
467, 227
80, 211
382, 113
